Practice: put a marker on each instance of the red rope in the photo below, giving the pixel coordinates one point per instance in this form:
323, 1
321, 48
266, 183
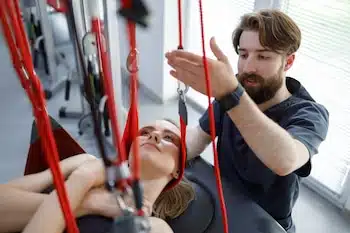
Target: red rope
212, 125
133, 68
22, 62
108, 88
180, 23
132, 125
183, 124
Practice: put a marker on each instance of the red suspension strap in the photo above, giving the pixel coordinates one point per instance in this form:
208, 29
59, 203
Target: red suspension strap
107, 81
132, 126
123, 178
212, 125
182, 102
15, 36
180, 23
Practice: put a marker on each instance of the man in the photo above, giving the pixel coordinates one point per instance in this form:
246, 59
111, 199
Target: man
268, 126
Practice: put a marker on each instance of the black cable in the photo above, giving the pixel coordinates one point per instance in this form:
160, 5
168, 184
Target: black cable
87, 73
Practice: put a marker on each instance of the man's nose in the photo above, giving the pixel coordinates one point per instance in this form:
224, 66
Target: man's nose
249, 66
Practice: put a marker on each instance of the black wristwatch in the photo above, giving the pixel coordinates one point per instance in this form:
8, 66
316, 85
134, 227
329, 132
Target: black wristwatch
231, 100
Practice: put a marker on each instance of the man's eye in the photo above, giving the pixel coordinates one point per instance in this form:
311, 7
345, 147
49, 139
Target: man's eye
243, 55
263, 57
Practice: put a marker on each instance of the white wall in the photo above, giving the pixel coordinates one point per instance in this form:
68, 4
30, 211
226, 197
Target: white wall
152, 43
171, 41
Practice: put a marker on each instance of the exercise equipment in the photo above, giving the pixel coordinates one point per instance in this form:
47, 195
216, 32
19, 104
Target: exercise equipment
45, 43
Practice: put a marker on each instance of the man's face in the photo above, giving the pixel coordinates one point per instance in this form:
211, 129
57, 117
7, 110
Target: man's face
260, 71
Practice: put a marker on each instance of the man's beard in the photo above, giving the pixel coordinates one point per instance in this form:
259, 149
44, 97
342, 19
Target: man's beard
264, 89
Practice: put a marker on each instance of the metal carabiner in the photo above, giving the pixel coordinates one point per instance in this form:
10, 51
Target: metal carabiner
182, 92
132, 63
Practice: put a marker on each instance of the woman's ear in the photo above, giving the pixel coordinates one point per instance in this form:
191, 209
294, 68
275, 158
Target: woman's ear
176, 174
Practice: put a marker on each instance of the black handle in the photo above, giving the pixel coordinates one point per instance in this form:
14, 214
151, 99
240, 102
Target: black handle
66, 96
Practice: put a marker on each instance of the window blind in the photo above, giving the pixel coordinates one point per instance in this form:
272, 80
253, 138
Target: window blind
322, 65
220, 19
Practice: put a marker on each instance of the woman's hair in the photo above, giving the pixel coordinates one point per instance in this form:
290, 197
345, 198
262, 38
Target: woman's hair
173, 202
277, 31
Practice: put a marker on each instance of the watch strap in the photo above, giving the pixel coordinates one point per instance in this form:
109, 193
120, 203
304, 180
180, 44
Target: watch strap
232, 99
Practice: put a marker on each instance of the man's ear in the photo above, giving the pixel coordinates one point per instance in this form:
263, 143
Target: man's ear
289, 61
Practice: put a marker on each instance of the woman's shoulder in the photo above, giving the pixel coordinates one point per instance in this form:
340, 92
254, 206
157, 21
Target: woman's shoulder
158, 225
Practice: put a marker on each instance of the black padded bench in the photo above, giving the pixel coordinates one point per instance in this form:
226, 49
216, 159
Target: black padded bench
204, 214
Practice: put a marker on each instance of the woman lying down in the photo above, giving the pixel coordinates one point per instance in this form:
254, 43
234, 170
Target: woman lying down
85, 176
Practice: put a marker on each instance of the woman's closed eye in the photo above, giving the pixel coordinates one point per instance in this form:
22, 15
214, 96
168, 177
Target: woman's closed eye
143, 132
169, 138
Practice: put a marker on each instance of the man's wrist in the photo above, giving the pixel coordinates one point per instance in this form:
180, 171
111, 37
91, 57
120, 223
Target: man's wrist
232, 99
227, 90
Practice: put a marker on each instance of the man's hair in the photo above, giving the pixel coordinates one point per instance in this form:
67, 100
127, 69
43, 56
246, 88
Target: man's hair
173, 202
277, 31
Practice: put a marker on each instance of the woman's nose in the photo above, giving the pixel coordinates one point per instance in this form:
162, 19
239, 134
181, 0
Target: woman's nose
155, 136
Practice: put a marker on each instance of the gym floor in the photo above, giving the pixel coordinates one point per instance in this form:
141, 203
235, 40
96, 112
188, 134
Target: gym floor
311, 213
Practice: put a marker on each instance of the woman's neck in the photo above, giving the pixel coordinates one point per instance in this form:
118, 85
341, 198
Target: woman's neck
151, 191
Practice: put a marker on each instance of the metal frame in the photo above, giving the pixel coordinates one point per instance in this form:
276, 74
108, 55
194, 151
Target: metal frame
79, 23
111, 30
111, 22
53, 82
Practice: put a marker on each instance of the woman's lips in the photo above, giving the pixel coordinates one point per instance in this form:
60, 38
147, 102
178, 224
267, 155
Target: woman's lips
151, 145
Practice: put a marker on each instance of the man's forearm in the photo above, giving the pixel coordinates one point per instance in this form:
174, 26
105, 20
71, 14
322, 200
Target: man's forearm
17, 207
272, 144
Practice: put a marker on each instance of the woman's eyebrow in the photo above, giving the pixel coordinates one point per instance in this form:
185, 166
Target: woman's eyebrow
165, 130
148, 127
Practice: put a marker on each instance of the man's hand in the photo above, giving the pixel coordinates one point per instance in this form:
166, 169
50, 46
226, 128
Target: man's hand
189, 69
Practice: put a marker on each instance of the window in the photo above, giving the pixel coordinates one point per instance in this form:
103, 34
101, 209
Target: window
323, 66
219, 21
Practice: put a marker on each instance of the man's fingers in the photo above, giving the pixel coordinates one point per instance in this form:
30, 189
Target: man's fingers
184, 76
217, 51
184, 64
184, 55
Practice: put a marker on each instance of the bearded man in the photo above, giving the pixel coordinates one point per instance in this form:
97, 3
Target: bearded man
268, 126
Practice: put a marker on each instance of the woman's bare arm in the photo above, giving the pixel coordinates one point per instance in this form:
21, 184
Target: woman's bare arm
20, 198
39, 181
49, 216
17, 207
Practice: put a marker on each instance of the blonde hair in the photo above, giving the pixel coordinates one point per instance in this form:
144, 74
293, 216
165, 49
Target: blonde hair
172, 203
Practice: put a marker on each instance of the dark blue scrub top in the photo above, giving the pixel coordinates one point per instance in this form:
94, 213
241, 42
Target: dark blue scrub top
306, 120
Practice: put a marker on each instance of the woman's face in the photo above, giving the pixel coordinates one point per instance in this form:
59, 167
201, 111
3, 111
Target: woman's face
159, 150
